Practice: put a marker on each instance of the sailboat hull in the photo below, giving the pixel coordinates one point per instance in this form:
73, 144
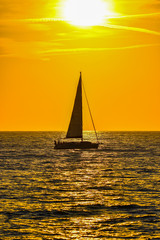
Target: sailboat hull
76, 145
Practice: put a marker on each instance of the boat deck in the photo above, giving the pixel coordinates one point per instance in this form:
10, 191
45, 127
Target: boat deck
75, 145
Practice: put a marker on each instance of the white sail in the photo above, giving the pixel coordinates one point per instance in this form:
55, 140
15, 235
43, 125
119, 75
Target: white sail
75, 126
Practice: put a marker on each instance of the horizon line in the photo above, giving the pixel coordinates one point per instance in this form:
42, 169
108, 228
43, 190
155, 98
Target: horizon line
84, 130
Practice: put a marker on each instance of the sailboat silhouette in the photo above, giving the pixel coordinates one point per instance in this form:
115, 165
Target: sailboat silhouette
75, 129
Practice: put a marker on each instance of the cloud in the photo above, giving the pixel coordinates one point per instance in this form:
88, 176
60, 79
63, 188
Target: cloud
44, 50
16, 9
142, 15
58, 19
39, 37
11, 48
79, 50
33, 31
135, 29
59, 26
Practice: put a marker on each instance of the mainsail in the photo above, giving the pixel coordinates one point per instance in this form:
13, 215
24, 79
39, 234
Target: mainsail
75, 126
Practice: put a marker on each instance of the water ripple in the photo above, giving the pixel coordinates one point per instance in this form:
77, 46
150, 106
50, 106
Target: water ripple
110, 193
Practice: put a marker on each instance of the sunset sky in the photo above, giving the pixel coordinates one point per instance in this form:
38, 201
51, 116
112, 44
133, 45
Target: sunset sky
43, 48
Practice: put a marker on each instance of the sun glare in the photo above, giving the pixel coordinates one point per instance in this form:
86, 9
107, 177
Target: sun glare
86, 12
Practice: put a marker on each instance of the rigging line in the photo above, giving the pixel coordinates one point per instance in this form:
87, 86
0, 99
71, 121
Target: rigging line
90, 111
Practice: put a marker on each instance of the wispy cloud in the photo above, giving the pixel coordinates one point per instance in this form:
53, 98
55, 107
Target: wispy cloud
11, 48
40, 37
30, 20
56, 19
79, 50
46, 54
135, 29
142, 15
108, 25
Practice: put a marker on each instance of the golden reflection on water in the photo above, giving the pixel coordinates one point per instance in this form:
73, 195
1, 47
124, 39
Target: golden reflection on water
103, 194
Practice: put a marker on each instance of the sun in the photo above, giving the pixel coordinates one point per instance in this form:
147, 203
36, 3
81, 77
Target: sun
86, 12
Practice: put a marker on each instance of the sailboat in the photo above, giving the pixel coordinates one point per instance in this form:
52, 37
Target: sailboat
75, 129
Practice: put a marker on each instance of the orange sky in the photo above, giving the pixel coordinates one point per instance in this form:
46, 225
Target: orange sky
41, 57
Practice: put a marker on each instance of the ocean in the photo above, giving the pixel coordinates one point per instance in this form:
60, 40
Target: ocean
109, 193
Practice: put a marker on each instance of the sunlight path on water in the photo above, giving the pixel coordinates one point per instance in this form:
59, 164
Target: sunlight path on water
109, 193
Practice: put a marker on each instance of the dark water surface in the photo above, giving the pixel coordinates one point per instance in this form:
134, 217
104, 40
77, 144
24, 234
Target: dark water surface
109, 193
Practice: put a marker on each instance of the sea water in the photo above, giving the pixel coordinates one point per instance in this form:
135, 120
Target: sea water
108, 193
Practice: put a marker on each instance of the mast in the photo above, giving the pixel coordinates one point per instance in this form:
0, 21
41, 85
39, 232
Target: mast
75, 126
82, 105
